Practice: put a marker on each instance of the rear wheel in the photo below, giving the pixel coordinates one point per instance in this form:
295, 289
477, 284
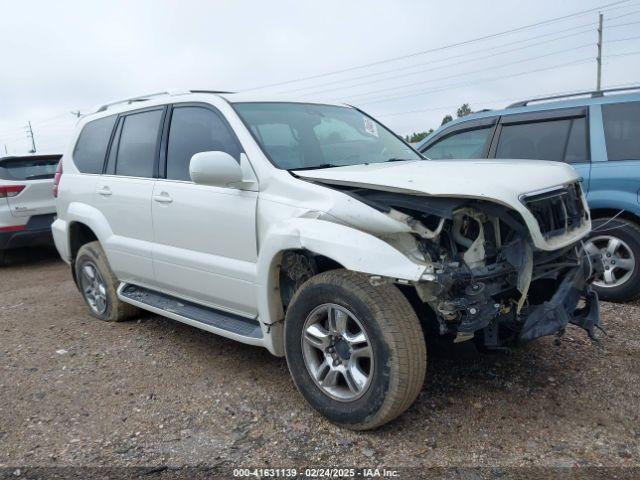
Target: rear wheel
618, 242
356, 352
98, 285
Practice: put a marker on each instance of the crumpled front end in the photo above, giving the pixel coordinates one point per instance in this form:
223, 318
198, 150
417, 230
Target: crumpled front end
485, 279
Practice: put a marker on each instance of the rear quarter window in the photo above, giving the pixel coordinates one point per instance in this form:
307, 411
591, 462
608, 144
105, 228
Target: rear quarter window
622, 130
91, 148
35, 168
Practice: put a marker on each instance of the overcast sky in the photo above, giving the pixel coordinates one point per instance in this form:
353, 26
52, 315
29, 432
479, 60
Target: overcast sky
73, 55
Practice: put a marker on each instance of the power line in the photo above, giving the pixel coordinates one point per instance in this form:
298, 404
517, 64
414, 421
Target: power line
528, 59
473, 52
444, 47
623, 24
622, 39
501, 100
486, 80
625, 54
334, 82
465, 74
624, 15
466, 84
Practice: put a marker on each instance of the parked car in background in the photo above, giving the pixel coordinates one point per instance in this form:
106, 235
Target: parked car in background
27, 207
598, 134
314, 231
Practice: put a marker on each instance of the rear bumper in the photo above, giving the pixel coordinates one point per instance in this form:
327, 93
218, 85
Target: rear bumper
37, 232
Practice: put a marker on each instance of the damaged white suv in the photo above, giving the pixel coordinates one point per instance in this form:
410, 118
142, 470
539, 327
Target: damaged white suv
314, 231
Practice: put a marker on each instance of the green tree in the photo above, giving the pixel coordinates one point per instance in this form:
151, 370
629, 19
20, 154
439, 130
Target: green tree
417, 137
464, 110
446, 119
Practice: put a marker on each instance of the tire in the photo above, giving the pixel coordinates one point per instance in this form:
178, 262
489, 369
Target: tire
397, 359
624, 285
3, 258
100, 297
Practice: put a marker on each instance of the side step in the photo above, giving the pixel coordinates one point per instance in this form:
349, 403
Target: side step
207, 318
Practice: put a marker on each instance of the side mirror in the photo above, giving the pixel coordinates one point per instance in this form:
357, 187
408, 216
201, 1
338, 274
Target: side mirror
217, 169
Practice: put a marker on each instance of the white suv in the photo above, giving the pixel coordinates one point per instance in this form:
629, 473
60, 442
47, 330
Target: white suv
27, 206
314, 231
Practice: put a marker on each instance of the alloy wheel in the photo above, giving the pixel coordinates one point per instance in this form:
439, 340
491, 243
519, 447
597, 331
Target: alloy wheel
93, 287
337, 352
618, 260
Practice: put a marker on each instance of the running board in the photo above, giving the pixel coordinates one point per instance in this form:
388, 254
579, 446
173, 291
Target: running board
217, 321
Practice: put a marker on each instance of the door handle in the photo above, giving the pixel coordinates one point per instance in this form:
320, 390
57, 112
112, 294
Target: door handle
164, 197
105, 191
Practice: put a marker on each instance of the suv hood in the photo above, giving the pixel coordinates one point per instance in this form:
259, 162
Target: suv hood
499, 181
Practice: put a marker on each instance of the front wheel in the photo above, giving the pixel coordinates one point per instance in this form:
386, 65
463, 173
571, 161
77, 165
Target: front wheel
617, 240
356, 352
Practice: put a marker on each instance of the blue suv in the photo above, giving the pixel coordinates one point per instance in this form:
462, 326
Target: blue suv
598, 133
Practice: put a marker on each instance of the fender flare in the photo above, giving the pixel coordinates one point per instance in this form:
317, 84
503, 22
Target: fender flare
89, 216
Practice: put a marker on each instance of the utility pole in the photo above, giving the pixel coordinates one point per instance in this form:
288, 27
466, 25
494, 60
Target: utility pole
599, 59
30, 135
6, 152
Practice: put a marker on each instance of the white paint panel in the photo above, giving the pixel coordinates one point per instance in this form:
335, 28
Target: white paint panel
206, 244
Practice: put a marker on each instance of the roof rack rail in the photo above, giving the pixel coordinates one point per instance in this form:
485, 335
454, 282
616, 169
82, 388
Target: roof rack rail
593, 93
143, 98
220, 92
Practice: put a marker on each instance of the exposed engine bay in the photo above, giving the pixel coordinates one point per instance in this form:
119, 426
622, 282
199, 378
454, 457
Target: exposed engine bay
485, 278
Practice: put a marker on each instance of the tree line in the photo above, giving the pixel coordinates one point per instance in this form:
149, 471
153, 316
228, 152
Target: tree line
463, 111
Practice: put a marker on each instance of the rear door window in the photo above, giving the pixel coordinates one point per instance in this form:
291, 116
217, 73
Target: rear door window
29, 168
464, 144
89, 152
622, 130
562, 140
138, 144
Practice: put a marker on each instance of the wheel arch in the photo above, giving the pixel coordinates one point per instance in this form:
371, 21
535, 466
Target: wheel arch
332, 246
84, 224
613, 212
79, 234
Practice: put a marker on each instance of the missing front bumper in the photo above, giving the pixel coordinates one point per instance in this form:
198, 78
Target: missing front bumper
553, 316
563, 308
574, 302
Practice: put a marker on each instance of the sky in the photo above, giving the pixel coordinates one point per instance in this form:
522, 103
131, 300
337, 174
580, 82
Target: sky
397, 60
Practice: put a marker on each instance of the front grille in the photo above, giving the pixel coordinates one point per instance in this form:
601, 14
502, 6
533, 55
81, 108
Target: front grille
558, 211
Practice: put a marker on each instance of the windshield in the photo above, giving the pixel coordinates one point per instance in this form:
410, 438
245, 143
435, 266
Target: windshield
301, 135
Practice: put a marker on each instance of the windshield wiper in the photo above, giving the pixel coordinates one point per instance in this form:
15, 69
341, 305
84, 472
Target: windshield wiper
393, 159
315, 167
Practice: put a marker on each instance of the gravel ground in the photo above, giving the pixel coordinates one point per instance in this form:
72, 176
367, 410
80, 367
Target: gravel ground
76, 391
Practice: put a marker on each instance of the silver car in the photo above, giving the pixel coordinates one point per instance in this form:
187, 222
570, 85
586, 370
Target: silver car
27, 204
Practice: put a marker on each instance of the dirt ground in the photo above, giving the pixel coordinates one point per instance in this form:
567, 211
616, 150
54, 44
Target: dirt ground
77, 391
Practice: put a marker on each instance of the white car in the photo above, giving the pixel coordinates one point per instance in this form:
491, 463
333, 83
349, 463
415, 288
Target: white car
27, 205
314, 231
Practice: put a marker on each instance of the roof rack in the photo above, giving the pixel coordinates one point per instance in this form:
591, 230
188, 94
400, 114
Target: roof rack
593, 93
144, 98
